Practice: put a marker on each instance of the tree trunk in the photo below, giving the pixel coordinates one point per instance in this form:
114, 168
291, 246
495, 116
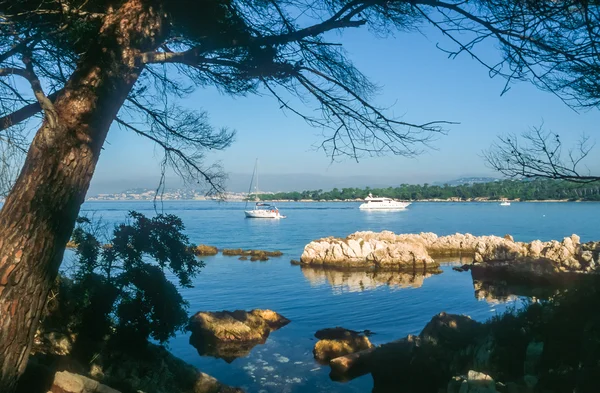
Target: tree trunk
38, 216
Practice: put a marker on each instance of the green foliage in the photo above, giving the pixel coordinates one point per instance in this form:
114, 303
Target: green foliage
119, 290
568, 325
512, 189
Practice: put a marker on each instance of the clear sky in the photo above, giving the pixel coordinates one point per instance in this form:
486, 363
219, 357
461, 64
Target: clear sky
420, 83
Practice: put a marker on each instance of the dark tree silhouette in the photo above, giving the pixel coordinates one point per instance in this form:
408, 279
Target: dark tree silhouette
539, 153
73, 67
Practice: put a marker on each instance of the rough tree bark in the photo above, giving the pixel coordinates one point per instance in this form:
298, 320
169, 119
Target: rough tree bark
38, 216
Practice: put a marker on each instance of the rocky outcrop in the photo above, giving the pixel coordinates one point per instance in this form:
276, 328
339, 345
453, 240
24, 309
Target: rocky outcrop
336, 342
232, 334
254, 255
155, 370
386, 250
151, 369
354, 280
368, 250
249, 253
203, 250
66, 382
473, 382
427, 361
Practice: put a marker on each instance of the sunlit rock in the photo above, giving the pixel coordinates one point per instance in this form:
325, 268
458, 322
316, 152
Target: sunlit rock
232, 334
386, 250
336, 342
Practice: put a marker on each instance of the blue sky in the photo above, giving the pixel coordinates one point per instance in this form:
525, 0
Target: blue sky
417, 80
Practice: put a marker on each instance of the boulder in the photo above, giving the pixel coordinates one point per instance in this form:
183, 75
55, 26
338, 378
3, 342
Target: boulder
156, 370
450, 331
66, 382
336, 342
473, 382
232, 334
203, 249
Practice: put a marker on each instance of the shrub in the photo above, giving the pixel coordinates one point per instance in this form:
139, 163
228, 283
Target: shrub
119, 291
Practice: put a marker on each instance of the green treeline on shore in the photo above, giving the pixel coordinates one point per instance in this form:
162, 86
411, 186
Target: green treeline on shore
539, 189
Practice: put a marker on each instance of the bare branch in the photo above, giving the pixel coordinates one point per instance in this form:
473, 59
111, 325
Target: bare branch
539, 156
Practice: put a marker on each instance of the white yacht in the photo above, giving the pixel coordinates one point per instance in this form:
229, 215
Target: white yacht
376, 203
261, 210
505, 203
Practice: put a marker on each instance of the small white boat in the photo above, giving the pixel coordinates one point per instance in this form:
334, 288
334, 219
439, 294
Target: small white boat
261, 210
376, 203
505, 203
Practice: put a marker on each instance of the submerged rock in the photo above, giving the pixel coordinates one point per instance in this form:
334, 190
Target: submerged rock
251, 253
232, 334
336, 342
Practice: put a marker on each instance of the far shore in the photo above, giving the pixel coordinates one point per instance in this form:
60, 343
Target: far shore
338, 200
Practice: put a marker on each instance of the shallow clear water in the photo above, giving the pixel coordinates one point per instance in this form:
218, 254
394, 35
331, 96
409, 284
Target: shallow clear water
392, 306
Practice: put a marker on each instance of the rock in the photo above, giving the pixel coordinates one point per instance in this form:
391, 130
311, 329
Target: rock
66, 382
53, 342
203, 249
155, 370
352, 365
336, 342
530, 381
388, 251
250, 253
294, 262
450, 331
463, 268
533, 357
261, 258
243, 258
369, 250
231, 334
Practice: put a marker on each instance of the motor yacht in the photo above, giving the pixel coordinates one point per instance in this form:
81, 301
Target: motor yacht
377, 203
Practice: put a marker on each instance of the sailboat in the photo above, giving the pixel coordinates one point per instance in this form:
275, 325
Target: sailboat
261, 209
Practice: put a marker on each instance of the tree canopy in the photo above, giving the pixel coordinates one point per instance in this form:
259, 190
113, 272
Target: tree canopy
280, 47
539, 189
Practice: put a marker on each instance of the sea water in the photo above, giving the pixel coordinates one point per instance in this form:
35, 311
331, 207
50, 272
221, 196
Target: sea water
390, 305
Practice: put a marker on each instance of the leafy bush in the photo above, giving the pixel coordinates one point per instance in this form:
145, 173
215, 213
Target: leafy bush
119, 291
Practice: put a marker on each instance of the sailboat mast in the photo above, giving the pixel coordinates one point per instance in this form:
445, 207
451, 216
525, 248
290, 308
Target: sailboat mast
256, 166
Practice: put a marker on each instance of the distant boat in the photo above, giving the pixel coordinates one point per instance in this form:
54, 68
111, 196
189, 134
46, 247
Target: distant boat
261, 210
505, 203
376, 203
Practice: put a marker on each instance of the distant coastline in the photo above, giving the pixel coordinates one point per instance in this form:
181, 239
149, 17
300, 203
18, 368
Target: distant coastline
341, 200
538, 190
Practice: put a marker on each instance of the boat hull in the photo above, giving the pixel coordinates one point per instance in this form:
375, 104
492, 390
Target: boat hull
384, 206
262, 214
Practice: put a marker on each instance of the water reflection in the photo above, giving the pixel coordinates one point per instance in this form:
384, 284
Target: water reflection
496, 287
358, 281
228, 351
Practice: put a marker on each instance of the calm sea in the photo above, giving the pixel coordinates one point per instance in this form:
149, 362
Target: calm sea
391, 306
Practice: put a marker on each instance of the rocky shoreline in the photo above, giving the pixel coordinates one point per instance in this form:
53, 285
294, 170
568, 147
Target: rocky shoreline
417, 252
